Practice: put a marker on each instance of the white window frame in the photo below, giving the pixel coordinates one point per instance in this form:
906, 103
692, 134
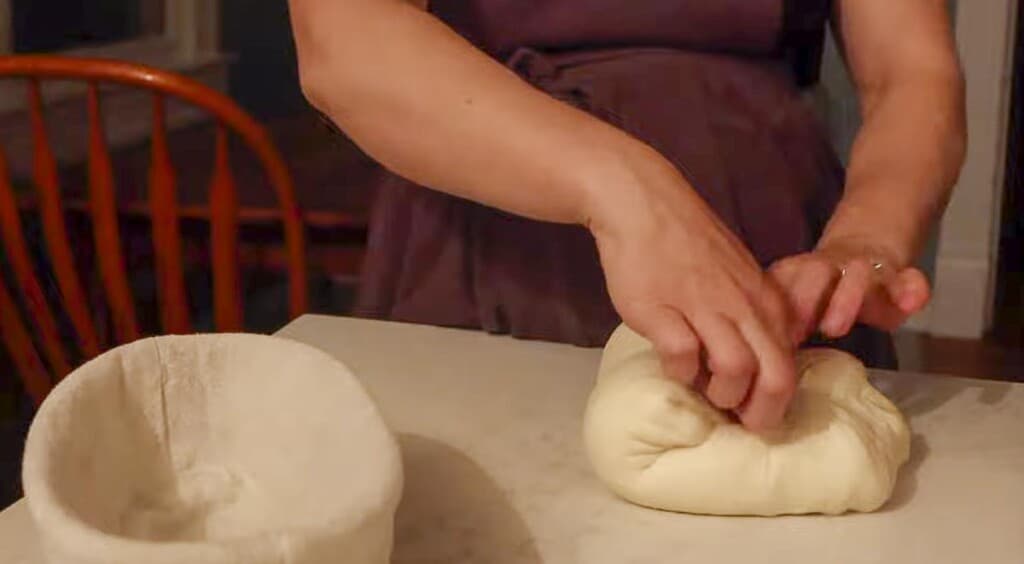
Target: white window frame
189, 44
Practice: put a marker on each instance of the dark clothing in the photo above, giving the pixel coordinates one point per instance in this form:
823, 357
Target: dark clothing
714, 86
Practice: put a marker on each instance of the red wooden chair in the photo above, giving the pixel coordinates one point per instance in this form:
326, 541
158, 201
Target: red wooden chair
21, 338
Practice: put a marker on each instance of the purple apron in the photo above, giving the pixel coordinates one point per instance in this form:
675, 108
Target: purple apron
714, 86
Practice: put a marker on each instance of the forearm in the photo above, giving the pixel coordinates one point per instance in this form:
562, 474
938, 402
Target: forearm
904, 163
907, 155
431, 107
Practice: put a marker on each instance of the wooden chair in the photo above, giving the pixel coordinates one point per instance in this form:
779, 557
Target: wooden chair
44, 328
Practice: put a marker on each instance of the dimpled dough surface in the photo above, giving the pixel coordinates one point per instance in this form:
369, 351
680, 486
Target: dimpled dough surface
657, 444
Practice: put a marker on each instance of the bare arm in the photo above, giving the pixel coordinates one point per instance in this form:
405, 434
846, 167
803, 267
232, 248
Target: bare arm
905, 160
431, 107
909, 151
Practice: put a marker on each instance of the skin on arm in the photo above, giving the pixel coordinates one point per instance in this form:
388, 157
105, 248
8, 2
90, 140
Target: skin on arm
904, 163
431, 107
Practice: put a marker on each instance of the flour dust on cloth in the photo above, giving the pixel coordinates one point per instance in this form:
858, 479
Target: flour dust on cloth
656, 443
212, 449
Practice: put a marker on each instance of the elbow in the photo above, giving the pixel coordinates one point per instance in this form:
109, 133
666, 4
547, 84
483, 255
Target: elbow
316, 48
313, 83
334, 84
336, 94
313, 54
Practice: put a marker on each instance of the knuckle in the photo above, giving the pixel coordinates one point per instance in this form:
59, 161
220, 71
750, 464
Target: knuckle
778, 389
727, 398
742, 309
734, 364
822, 267
677, 345
859, 264
775, 306
786, 265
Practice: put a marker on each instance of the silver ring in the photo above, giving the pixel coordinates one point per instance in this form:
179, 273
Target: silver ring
876, 266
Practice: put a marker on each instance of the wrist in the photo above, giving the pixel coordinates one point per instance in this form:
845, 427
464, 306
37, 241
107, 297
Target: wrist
884, 218
891, 214
630, 189
889, 244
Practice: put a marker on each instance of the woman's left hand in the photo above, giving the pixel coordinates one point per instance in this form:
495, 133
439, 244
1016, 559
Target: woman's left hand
838, 284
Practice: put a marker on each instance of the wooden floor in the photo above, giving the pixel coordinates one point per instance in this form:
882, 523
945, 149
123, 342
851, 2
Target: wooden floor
987, 359
999, 356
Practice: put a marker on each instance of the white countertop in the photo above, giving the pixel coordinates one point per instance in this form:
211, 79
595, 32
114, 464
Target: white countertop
495, 471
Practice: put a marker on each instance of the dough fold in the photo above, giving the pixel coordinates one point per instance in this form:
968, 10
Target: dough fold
658, 444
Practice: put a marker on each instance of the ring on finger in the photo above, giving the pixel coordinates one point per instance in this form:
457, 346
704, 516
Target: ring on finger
877, 267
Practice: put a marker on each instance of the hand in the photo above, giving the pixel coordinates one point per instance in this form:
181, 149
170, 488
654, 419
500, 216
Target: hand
840, 283
678, 276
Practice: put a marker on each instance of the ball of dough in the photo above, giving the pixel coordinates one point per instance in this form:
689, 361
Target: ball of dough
658, 444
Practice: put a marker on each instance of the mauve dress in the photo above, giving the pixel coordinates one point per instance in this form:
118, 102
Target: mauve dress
715, 86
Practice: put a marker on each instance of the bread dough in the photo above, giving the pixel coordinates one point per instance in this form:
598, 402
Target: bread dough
212, 449
656, 443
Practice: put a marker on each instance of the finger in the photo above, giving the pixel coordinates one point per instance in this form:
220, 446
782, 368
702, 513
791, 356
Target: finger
785, 270
805, 282
703, 378
809, 294
785, 274
672, 338
847, 299
774, 308
909, 290
731, 362
774, 384
902, 296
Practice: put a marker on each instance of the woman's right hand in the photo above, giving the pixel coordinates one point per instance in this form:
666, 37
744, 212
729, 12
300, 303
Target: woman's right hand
479, 132
677, 275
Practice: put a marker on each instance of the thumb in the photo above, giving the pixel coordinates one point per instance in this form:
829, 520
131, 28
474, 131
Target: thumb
909, 290
899, 297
